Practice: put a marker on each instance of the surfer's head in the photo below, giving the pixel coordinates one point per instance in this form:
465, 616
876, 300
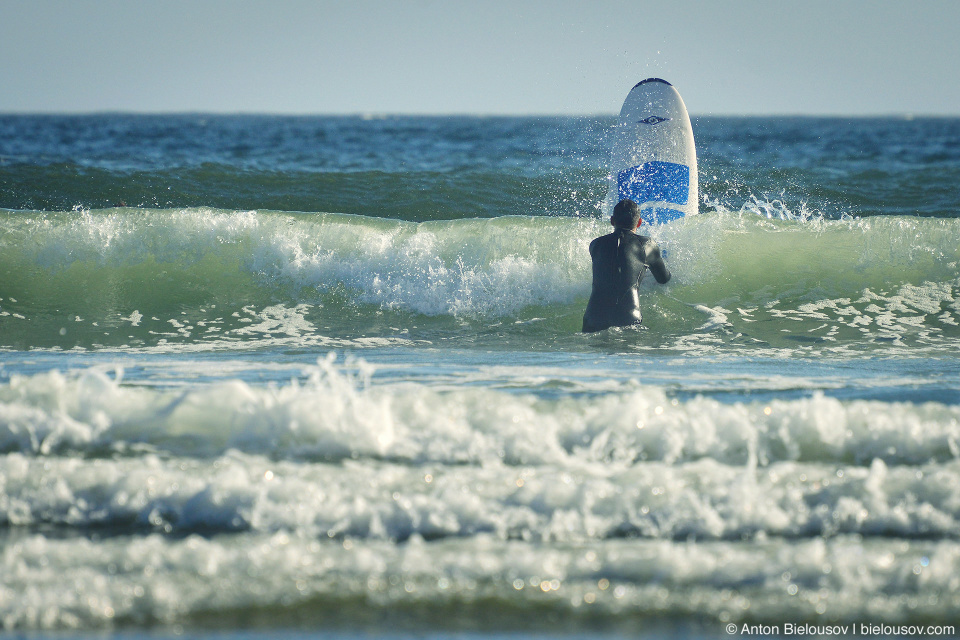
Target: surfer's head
626, 215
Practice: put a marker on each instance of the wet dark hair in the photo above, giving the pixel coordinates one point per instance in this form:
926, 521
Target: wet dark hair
626, 215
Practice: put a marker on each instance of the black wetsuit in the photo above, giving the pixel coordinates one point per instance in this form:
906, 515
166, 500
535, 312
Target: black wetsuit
619, 262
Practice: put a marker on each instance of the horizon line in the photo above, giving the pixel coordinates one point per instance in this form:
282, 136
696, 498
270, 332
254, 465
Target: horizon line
378, 115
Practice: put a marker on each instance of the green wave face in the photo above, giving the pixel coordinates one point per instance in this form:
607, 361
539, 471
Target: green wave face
136, 277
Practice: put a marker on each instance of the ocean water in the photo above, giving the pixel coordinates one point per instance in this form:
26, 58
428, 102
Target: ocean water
324, 375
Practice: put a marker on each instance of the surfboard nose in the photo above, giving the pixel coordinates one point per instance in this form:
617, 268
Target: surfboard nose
652, 80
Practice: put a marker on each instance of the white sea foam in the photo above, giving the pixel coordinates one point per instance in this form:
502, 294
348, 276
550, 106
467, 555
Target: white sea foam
78, 583
331, 415
553, 503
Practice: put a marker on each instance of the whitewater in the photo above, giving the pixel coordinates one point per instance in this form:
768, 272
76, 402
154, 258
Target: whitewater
325, 374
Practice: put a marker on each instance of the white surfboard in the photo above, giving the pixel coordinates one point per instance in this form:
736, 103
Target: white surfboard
654, 160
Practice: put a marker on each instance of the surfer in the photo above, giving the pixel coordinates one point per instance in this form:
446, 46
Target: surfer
620, 260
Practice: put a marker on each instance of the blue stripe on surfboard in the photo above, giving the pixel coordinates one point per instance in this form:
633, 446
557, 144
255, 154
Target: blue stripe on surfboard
660, 215
660, 181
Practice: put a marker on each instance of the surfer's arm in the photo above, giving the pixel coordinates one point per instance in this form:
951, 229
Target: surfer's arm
656, 264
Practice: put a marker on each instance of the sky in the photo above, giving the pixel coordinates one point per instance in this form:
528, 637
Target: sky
491, 57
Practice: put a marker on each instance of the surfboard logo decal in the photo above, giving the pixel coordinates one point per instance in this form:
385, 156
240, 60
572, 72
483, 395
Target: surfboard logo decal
655, 181
652, 120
